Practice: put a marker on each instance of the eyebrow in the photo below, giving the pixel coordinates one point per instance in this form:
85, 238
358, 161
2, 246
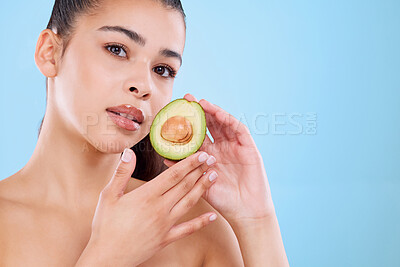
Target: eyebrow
170, 53
134, 36
139, 39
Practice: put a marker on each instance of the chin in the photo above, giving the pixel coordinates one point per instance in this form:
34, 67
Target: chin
113, 143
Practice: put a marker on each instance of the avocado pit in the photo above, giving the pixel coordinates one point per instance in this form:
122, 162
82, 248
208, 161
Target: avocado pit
177, 129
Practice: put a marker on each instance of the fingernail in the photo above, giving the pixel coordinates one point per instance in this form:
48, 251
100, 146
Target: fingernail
211, 160
212, 217
127, 155
213, 176
203, 157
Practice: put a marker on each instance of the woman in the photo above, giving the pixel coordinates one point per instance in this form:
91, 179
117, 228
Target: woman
75, 202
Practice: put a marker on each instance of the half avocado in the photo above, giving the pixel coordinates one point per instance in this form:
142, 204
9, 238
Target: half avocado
178, 130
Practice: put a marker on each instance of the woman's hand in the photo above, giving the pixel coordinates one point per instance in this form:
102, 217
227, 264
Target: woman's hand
241, 192
127, 229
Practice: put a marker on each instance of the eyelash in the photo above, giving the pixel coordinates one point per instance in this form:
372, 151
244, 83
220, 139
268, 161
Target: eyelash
172, 72
107, 46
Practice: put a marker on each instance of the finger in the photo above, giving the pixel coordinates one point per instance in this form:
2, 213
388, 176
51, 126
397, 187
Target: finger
191, 198
169, 162
187, 228
207, 141
211, 125
215, 129
226, 123
233, 128
122, 174
173, 175
177, 192
189, 97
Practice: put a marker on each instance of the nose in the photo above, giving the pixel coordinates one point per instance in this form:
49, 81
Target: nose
139, 82
141, 94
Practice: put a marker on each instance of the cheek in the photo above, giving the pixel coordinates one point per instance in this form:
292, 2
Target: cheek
161, 102
92, 76
82, 89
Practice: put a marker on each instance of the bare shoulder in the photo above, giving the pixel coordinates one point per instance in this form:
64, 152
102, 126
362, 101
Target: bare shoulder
221, 242
12, 202
12, 191
9, 195
11, 210
16, 205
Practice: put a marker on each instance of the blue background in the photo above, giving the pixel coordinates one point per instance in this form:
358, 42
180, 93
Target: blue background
334, 174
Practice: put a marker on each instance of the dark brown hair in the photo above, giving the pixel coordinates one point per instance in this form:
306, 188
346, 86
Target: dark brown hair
63, 20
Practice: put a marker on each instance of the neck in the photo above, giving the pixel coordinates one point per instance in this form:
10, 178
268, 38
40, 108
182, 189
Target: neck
65, 169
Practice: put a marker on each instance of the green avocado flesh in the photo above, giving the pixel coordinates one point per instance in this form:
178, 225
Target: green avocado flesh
178, 130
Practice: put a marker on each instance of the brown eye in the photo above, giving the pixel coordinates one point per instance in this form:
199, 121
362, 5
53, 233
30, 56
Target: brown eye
116, 50
160, 70
165, 71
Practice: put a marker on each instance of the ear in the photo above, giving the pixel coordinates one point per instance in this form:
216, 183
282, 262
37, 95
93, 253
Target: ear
48, 50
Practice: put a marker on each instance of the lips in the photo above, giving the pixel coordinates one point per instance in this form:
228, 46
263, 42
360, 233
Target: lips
128, 111
126, 116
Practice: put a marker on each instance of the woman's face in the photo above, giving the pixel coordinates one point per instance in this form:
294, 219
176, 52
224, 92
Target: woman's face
127, 44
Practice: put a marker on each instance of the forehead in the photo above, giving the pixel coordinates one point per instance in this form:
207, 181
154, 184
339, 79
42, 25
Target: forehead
160, 26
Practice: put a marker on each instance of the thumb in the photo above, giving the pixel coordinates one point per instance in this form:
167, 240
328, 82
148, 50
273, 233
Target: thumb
122, 173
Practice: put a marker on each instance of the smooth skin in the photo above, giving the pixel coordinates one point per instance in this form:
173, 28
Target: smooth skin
57, 210
47, 208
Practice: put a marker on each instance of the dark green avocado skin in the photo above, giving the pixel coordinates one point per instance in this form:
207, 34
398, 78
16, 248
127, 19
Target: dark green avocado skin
165, 151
